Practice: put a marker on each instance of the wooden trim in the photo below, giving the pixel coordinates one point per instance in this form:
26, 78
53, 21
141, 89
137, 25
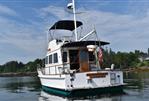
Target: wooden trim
97, 75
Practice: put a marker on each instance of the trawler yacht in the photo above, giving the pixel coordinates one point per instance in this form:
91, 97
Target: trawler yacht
73, 66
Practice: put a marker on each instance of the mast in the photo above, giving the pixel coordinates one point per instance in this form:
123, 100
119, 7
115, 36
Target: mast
75, 24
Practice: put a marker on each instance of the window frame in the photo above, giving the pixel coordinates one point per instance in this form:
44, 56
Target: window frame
46, 60
65, 55
55, 58
50, 59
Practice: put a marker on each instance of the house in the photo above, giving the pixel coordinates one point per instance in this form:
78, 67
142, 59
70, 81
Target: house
144, 58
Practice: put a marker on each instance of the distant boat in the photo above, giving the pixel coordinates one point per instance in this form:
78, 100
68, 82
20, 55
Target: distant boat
73, 67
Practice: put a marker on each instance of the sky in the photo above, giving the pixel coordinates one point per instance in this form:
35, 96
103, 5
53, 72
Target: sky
24, 25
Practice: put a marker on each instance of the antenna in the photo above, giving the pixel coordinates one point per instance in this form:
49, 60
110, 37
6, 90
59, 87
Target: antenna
75, 24
72, 7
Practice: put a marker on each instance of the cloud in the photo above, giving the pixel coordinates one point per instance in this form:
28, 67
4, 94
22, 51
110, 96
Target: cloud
126, 32
4, 10
24, 36
20, 38
26, 41
23, 41
57, 12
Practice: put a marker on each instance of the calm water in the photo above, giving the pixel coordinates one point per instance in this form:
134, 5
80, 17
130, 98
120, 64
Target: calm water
28, 89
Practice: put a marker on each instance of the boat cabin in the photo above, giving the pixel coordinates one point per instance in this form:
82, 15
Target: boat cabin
66, 56
79, 57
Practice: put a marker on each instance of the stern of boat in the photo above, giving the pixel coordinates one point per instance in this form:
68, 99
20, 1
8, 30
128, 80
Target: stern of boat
91, 80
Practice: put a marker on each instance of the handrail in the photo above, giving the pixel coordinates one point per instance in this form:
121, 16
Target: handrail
56, 65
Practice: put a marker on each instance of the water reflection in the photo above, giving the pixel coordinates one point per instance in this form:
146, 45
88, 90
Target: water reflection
47, 97
137, 85
136, 80
19, 84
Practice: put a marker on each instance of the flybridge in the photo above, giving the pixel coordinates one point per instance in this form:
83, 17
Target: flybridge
69, 25
62, 25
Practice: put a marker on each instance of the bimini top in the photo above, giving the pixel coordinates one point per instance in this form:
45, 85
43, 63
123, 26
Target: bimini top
85, 43
65, 25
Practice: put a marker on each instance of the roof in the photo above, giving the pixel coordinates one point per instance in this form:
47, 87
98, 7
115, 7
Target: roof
65, 25
84, 43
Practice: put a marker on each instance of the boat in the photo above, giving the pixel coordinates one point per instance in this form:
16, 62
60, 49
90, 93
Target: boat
73, 64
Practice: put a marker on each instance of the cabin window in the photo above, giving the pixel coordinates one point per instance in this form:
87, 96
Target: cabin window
46, 60
74, 59
83, 56
64, 56
50, 59
55, 58
91, 56
92, 62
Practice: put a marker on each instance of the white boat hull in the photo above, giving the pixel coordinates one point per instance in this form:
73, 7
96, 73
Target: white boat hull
81, 81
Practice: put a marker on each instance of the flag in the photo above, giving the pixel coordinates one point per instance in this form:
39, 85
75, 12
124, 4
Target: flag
100, 56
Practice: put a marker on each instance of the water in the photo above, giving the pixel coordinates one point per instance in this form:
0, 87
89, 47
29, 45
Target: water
29, 89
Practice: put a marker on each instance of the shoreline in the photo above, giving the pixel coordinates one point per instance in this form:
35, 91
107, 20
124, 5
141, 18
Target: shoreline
20, 74
139, 69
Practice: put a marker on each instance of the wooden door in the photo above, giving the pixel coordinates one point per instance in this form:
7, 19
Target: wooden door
83, 60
